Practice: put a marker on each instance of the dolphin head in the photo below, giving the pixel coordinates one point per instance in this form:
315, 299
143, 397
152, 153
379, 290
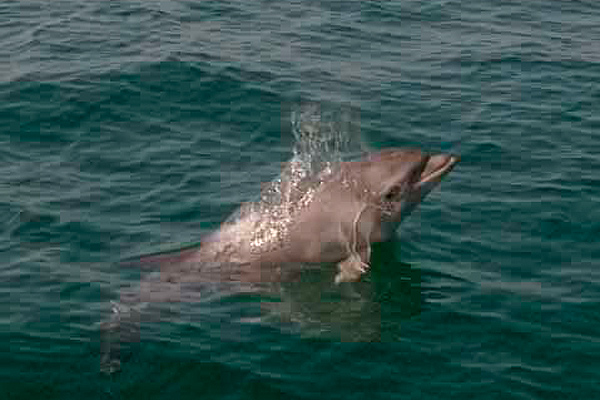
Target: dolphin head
363, 203
410, 176
396, 181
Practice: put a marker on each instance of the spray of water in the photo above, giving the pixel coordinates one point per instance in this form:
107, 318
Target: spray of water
323, 139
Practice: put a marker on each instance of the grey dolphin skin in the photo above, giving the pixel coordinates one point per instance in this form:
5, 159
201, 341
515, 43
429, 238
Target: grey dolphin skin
335, 221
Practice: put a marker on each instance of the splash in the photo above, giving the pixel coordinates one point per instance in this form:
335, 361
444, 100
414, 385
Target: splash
323, 139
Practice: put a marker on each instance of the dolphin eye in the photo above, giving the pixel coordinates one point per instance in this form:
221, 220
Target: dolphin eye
392, 194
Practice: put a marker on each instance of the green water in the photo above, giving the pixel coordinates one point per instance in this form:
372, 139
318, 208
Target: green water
129, 127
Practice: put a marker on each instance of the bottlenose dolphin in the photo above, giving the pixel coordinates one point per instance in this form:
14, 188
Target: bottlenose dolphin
332, 216
334, 219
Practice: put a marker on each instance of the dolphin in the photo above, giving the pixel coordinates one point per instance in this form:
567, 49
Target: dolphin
332, 216
334, 219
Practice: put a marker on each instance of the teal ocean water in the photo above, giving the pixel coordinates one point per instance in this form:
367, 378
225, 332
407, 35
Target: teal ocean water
130, 127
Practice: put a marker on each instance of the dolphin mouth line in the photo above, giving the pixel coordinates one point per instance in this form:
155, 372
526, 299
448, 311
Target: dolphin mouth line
442, 170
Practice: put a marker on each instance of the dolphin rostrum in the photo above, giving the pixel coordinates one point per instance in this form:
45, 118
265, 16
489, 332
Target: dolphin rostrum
334, 219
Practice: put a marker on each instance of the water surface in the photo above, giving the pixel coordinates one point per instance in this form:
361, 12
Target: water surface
129, 127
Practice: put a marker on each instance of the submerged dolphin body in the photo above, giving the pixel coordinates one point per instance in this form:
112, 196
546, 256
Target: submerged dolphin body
333, 220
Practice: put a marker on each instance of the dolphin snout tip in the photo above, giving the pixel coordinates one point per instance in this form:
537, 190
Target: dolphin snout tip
437, 166
450, 161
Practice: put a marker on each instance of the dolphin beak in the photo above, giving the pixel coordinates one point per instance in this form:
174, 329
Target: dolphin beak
437, 166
